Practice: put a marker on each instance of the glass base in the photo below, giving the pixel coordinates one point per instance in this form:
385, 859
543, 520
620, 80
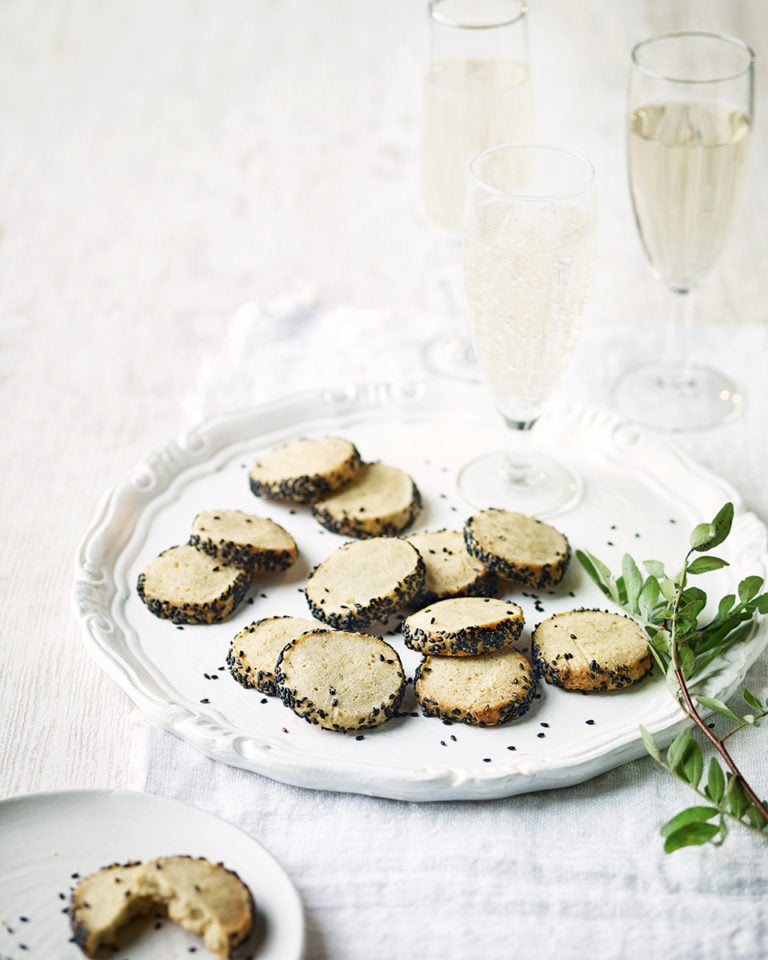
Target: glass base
452, 356
656, 397
547, 489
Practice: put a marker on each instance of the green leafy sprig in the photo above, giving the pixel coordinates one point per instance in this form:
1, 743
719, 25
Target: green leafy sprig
687, 652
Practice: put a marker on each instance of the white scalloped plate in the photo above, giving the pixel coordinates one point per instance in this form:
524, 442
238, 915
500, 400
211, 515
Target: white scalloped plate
47, 840
641, 495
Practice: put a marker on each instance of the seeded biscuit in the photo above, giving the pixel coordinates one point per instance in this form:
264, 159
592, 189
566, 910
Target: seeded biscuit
340, 680
204, 898
364, 582
301, 471
463, 626
185, 585
483, 691
243, 539
591, 650
255, 650
382, 501
451, 570
518, 547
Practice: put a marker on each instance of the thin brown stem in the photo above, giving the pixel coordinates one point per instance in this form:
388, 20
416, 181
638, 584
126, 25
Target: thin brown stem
693, 713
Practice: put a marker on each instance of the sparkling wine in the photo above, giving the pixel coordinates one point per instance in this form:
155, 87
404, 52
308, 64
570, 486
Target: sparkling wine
686, 171
468, 105
528, 268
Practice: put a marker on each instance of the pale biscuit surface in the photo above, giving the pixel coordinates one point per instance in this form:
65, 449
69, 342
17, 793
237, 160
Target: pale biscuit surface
233, 536
365, 582
341, 680
518, 547
451, 571
303, 470
254, 652
381, 501
482, 691
591, 650
185, 585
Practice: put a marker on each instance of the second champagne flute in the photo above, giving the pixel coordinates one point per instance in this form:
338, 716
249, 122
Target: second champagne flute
528, 255
477, 93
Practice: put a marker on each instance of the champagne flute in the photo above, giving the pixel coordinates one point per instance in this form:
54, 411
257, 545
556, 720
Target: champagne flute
528, 257
476, 93
691, 99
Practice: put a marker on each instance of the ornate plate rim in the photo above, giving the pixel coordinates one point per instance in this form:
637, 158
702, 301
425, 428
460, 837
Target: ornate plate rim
95, 589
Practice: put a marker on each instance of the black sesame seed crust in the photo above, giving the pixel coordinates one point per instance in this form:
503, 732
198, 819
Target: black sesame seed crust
244, 555
308, 487
533, 575
486, 585
492, 715
214, 611
468, 641
362, 527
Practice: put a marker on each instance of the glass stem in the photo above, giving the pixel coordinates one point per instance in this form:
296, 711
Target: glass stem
677, 370
518, 460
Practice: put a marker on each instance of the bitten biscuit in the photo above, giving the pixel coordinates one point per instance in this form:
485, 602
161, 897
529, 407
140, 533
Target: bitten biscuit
303, 470
254, 651
381, 501
204, 898
341, 681
185, 585
484, 691
232, 536
451, 570
365, 582
591, 650
463, 626
518, 547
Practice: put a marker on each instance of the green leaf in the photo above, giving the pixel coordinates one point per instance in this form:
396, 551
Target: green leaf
737, 801
599, 573
749, 588
701, 534
633, 581
650, 744
725, 605
668, 588
751, 700
712, 703
693, 764
694, 834
687, 661
655, 568
715, 787
705, 564
648, 598
708, 535
677, 750
756, 818
761, 603
687, 816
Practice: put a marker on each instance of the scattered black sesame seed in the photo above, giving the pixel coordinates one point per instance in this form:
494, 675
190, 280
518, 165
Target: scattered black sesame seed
511, 747
590, 723
205, 700
541, 735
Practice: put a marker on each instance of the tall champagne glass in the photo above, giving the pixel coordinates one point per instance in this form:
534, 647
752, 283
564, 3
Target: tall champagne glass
691, 101
476, 94
528, 257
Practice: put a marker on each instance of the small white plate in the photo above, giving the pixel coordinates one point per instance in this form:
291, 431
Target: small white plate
641, 495
47, 840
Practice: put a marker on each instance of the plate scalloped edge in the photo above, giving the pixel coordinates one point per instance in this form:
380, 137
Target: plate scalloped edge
95, 588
